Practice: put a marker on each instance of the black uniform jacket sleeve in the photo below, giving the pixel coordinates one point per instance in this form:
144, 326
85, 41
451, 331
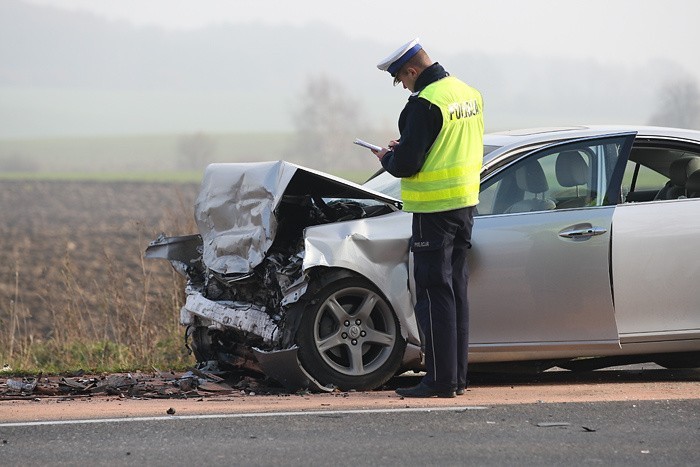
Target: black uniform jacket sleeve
419, 125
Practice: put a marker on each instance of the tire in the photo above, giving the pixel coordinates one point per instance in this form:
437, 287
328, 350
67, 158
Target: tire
349, 336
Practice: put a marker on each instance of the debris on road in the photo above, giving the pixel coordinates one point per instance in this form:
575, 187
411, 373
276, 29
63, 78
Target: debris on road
551, 424
158, 384
25, 386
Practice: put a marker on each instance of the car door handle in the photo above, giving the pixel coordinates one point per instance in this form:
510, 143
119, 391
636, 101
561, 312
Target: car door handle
585, 232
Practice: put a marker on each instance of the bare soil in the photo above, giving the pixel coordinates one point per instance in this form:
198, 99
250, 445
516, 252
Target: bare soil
65, 241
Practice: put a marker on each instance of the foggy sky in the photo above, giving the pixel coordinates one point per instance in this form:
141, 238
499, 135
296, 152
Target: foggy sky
161, 66
628, 32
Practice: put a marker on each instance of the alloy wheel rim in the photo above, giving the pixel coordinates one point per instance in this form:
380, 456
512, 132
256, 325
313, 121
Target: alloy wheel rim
354, 331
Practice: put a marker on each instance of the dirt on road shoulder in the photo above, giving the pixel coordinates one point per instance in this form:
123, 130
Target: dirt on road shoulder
615, 385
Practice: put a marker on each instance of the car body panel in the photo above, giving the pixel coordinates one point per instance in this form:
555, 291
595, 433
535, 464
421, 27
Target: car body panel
183, 251
656, 268
558, 289
545, 273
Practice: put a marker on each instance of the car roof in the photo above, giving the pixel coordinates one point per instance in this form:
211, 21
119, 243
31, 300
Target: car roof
534, 135
506, 140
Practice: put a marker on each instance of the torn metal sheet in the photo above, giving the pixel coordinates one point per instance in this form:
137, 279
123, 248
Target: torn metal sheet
182, 248
238, 315
284, 367
24, 386
115, 384
234, 213
235, 208
209, 386
73, 384
208, 375
295, 291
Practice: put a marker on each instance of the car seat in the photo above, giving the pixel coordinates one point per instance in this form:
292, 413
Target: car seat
692, 184
572, 171
678, 174
530, 178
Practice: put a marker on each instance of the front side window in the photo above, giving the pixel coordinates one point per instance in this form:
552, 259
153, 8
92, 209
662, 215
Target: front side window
575, 175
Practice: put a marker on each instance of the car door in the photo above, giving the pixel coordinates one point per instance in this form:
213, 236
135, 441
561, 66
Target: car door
540, 284
656, 260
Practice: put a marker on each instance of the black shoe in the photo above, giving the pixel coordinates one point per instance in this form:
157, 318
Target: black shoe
460, 390
423, 390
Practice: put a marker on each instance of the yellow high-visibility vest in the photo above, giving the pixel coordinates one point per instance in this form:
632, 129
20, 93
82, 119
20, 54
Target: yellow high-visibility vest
449, 178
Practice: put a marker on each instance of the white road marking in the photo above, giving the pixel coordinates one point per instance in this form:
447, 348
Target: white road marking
238, 415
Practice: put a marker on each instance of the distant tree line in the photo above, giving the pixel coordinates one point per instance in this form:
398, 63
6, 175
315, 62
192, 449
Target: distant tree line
195, 151
326, 119
678, 105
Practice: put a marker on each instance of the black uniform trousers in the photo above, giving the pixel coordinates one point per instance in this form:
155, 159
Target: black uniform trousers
440, 242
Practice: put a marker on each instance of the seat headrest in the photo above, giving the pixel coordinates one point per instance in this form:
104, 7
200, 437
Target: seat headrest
692, 185
530, 177
679, 169
571, 169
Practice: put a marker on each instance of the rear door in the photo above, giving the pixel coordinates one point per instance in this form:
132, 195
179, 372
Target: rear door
656, 259
656, 265
540, 284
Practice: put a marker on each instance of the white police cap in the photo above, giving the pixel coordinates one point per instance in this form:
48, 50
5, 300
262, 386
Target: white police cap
395, 61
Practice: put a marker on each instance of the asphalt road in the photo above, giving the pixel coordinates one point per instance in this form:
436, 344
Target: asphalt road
611, 433
634, 415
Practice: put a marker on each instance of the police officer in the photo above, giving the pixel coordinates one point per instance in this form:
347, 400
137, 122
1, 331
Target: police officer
438, 158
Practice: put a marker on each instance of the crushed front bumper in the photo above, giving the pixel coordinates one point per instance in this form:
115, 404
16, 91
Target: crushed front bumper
241, 316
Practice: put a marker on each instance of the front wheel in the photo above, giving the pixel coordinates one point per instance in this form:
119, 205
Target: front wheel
350, 337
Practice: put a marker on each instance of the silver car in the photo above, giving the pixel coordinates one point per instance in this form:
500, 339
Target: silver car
585, 255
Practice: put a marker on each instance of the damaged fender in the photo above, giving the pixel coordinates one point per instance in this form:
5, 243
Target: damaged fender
375, 248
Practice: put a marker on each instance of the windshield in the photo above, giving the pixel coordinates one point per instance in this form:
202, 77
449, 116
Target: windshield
391, 186
385, 183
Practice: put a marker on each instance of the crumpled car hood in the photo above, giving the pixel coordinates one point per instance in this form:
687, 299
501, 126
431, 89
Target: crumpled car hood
235, 208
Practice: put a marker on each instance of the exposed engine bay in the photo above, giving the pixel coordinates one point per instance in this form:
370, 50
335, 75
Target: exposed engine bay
278, 281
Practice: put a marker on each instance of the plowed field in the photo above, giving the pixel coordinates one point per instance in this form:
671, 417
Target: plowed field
73, 251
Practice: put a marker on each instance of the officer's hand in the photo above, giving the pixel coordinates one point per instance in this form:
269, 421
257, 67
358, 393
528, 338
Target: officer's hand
381, 153
392, 144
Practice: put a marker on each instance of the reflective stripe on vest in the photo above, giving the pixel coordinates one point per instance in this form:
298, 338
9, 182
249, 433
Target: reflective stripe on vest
449, 178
